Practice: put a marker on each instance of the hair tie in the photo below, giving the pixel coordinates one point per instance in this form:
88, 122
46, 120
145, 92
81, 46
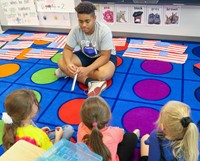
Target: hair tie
6, 118
94, 124
185, 121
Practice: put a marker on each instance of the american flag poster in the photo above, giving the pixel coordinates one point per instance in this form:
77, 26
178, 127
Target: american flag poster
141, 44
156, 55
50, 37
119, 41
18, 45
157, 45
32, 36
9, 54
174, 48
41, 53
59, 42
2, 43
8, 37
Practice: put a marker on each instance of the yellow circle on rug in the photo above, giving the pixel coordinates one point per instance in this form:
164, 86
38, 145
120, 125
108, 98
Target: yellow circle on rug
8, 69
44, 76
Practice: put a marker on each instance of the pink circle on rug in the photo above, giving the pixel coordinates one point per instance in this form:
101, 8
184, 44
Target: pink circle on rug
156, 67
151, 89
142, 118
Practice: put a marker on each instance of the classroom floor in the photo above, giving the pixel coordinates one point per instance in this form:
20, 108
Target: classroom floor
135, 94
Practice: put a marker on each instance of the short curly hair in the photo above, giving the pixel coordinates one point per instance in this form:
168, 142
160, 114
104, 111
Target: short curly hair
85, 8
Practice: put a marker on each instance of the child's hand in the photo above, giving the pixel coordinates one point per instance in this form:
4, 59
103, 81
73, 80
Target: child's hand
46, 129
58, 134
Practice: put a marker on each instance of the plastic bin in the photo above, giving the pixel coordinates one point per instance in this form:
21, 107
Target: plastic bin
65, 150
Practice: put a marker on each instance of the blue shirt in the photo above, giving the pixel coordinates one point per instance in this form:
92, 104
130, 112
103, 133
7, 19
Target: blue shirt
154, 148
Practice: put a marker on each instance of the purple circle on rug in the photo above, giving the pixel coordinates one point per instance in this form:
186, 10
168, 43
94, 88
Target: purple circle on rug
196, 51
156, 67
151, 89
142, 118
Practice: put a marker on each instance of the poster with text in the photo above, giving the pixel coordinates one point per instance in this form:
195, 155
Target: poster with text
19, 12
171, 15
154, 15
55, 5
122, 14
138, 14
107, 13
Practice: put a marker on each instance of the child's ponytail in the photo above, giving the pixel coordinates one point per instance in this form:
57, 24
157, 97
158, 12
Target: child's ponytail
190, 143
9, 135
95, 141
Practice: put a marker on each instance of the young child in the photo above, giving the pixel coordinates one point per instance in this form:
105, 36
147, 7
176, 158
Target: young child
177, 136
108, 141
21, 106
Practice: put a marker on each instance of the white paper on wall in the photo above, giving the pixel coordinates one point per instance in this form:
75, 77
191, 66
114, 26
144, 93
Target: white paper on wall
138, 14
122, 14
107, 13
54, 19
154, 15
19, 12
171, 15
97, 11
55, 5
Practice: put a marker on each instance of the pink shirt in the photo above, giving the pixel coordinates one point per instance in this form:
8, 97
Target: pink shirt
112, 136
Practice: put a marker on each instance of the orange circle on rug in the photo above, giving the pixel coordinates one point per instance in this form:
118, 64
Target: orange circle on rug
41, 42
22, 55
8, 69
69, 112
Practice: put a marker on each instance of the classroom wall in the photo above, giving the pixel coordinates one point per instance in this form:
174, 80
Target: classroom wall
187, 30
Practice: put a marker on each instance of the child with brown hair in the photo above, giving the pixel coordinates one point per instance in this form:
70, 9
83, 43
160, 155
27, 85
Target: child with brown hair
108, 141
21, 106
177, 136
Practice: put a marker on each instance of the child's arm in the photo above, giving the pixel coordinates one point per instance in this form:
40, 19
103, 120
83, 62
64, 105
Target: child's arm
58, 134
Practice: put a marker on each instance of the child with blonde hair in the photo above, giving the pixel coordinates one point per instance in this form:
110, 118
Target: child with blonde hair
108, 141
21, 106
176, 137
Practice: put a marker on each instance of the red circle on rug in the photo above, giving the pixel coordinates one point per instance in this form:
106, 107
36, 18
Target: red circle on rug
121, 48
119, 61
69, 112
85, 88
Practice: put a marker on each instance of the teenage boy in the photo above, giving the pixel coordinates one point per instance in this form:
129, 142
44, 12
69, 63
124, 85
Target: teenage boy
95, 62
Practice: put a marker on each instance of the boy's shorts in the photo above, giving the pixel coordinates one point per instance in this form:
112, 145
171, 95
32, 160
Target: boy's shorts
87, 61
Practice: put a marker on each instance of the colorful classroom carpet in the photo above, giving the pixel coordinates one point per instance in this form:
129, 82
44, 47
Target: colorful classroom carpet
137, 91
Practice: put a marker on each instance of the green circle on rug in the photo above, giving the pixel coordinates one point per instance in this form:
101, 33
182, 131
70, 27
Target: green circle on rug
44, 76
1, 130
56, 57
38, 95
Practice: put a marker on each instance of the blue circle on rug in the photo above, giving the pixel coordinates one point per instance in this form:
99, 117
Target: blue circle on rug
197, 94
196, 51
151, 89
142, 118
156, 67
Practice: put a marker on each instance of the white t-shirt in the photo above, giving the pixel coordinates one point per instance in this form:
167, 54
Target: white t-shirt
91, 45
